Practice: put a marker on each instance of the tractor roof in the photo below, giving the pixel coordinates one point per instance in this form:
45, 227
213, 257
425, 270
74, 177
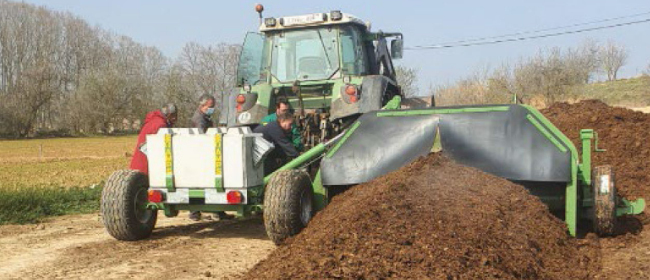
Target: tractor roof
302, 21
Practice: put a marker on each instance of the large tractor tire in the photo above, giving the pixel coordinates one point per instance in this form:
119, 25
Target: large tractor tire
604, 190
123, 206
288, 204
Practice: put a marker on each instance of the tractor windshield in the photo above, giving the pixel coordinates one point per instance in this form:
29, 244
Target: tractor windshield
308, 54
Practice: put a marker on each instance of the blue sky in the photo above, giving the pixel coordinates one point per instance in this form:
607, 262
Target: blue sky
169, 24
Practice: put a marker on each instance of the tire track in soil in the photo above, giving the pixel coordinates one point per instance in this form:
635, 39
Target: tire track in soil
77, 247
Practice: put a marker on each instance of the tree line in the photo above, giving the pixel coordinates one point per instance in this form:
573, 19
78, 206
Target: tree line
59, 74
551, 75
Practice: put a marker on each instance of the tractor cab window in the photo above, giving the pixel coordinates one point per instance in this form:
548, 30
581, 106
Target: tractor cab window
251, 69
308, 54
352, 51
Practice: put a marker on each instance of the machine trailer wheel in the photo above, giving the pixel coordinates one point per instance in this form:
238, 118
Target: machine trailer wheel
288, 204
604, 200
124, 199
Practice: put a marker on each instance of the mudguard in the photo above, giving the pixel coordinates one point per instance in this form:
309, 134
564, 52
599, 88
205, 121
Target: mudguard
372, 90
505, 140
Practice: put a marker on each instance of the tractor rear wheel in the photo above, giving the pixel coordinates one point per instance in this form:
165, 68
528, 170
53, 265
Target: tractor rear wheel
123, 206
604, 200
288, 204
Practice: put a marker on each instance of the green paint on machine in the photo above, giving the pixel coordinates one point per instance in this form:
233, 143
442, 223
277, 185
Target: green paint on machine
406, 113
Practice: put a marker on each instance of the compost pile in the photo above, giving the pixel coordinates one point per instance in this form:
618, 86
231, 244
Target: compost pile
433, 219
624, 133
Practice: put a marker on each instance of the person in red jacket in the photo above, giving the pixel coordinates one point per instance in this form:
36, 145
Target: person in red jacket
165, 117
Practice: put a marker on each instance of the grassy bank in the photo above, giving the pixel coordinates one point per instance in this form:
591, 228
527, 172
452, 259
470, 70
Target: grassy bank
32, 204
633, 92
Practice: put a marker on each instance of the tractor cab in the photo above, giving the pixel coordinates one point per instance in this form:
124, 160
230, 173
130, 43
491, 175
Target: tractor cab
329, 66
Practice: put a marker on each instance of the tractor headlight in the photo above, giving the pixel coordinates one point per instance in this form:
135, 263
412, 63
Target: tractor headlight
336, 15
270, 22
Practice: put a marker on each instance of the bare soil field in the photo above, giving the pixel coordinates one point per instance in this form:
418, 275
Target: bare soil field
77, 247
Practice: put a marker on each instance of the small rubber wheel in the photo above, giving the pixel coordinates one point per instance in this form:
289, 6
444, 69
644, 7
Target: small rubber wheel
604, 190
123, 206
288, 204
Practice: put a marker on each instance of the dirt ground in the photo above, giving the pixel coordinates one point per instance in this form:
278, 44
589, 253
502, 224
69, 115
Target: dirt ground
77, 247
626, 257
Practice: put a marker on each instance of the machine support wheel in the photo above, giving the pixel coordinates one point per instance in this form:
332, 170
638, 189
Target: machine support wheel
288, 204
123, 206
604, 200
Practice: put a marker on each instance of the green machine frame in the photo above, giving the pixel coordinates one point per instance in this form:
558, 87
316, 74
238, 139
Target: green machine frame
578, 193
580, 164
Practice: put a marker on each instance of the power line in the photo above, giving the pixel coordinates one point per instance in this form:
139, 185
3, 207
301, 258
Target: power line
539, 30
527, 38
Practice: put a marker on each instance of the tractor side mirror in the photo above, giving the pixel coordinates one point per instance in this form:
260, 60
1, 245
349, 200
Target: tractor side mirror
397, 48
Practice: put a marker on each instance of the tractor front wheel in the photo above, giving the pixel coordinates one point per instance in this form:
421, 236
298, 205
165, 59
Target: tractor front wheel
604, 200
288, 204
123, 206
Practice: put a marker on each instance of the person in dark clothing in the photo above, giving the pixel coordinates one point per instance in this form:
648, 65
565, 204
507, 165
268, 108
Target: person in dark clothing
282, 106
155, 120
278, 133
202, 117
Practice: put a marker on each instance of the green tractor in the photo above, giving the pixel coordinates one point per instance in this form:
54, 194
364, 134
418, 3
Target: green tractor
330, 67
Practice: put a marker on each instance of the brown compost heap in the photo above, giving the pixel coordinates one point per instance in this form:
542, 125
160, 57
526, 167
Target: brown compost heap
433, 219
623, 133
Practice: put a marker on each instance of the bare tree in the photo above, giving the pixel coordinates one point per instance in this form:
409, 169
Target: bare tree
583, 62
407, 79
612, 58
544, 78
58, 72
204, 70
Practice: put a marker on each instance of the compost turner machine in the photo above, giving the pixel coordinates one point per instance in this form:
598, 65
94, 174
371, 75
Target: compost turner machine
222, 169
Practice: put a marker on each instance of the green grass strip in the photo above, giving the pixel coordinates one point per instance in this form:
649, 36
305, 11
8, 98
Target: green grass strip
32, 204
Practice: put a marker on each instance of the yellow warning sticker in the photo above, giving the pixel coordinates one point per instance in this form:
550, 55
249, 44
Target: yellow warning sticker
168, 155
217, 155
